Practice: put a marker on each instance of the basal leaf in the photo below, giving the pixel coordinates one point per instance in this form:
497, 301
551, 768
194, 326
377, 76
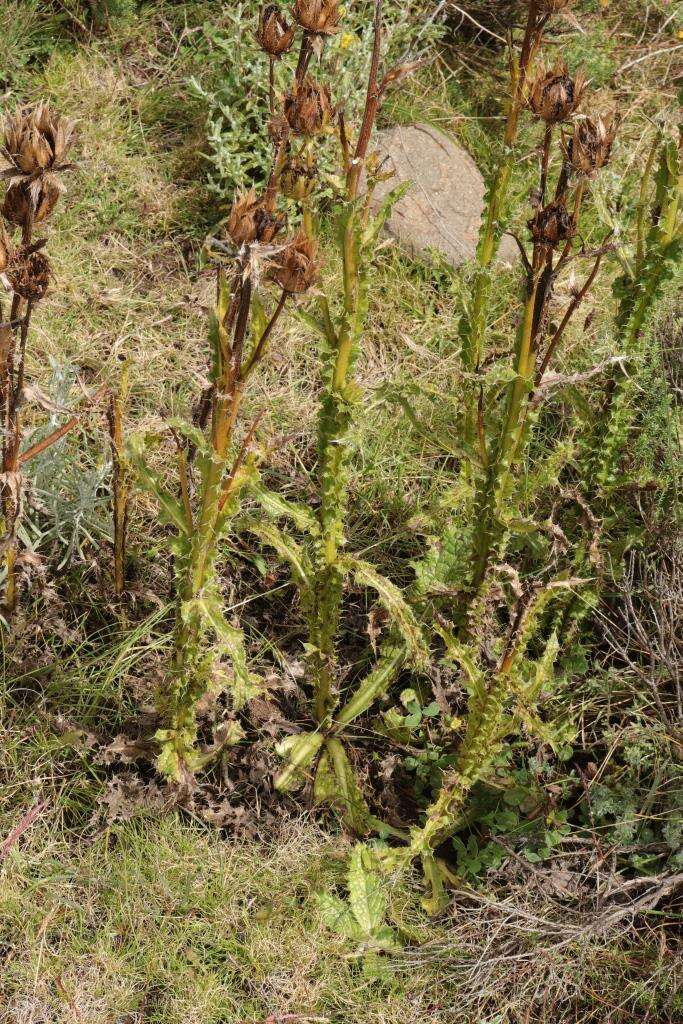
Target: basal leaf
367, 897
300, 751
338, 916
335, 783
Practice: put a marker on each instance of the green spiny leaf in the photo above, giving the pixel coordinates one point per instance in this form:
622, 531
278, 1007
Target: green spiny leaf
371, 233
335, 783
273, 504
393, 601
288, 550
171, 510
366, 893
232, 641
338, 917
376, 683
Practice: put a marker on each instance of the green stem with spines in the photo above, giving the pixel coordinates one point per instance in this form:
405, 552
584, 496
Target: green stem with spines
494, 481
336, 417
473, 323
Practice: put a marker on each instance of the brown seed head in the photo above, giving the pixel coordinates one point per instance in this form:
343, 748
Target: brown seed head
274, 34
296, 268
308, 107
552, 225
319, 16
591, 144
31, 199
29, 274
254, 219
554, 95
278, 128
37, 140
297, 178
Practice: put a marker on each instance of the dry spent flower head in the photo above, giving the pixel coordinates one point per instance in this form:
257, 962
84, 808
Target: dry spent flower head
31, 201
29, 273
552, 224
308, 107
37, 140
278, 128
298, 178
554, 95
296, 268
274, 34
254, 219
321, 17
590, 147
36, 145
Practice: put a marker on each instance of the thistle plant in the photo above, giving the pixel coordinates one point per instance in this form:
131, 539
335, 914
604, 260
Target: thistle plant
318, 560
554, 97
503, 680
214, 458
205, 510
650, 254
503, 697
36, 146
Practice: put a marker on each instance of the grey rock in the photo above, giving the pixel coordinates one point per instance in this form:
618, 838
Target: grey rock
444, 205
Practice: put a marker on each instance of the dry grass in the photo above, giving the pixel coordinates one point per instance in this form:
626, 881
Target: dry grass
163, 921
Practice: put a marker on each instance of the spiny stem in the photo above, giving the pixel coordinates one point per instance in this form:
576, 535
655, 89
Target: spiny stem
545, 160
473, 323
371, 105
335, 417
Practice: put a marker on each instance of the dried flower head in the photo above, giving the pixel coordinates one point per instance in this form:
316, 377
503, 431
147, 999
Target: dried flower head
591, 144
37, 140
29, 273
254, 219
554, 95
552, 225
296, 268
274, 34
298, 178
32, 201
278, 129
318, 16
308, 107
36, 145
